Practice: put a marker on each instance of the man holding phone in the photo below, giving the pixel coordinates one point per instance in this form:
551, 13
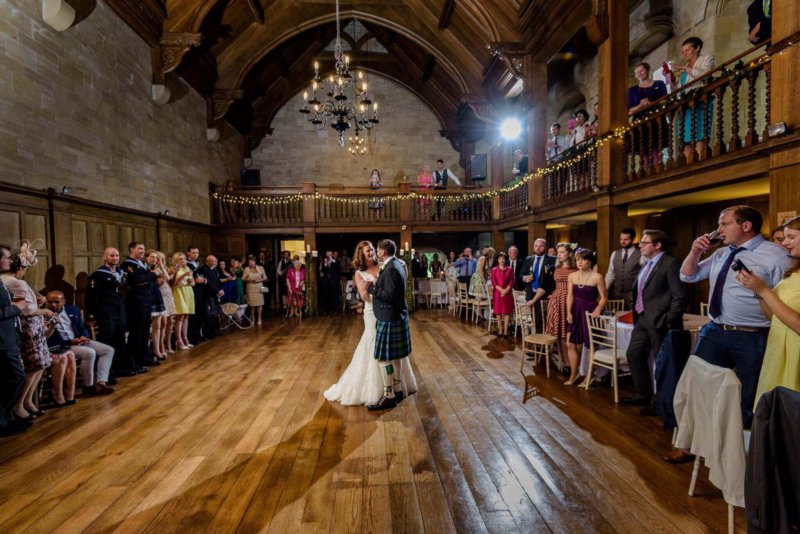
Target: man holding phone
736, 336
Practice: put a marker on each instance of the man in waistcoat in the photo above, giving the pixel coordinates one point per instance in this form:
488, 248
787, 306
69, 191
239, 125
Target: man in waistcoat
441, 177
623, 267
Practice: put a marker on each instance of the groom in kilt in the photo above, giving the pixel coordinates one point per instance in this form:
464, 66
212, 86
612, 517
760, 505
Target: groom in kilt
393, 336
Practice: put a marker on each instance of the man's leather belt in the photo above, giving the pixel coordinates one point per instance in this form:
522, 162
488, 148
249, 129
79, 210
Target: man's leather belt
732, 328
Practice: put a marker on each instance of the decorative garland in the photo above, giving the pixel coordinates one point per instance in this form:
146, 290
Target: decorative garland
570, 158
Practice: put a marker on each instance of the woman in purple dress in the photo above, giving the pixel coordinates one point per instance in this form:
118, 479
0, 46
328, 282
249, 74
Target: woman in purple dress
586, 291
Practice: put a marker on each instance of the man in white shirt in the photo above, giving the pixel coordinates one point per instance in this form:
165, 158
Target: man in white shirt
557, 142
441, 176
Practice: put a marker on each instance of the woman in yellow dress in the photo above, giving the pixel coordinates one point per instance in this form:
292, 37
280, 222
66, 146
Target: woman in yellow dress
781, 365
183, 294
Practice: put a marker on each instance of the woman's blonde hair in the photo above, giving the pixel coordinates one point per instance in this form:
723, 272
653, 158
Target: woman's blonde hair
793, 224
176, 256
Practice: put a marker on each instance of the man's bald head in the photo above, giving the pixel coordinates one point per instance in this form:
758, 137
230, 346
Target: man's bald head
55, 301
111, 256
211, 261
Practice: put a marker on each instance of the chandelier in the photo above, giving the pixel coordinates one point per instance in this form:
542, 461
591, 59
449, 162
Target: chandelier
341, 107
357, 147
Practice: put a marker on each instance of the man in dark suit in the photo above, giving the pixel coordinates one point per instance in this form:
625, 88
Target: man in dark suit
515, 264
211, 291
198, 318
537, 275
658, 301
12, 374
141, 284
329, 283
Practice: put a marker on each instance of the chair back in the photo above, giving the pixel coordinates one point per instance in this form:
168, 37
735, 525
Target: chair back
519, 296
602, 332
523, 316
704, 309
481, 291
543, 305
615, 306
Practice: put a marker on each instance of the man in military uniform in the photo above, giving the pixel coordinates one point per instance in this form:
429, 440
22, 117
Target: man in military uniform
12, 374
139, 305
197, 320
105, 307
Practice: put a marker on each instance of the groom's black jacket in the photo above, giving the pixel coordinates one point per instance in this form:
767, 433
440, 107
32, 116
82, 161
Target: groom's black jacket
389, 293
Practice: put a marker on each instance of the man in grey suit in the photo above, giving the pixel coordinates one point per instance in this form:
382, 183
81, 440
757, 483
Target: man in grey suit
658, 301
623, 267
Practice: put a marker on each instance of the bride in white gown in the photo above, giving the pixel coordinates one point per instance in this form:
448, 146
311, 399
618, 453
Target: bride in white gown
361, 382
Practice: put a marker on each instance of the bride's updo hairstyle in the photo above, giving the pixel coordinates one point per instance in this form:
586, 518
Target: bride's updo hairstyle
359, 259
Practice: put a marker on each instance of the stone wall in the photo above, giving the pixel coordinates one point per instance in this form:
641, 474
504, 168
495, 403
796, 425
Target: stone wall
75, 110
407, 137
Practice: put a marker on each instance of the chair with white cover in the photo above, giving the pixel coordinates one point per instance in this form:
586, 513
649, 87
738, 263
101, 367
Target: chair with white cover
707, 406
521, 315
615, 306
480, 302
463, 299
452, 297
422, 293
438, 292
603, 351
540, 346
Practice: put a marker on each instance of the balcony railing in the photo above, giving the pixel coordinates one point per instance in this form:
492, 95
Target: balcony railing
451, 206
356, 208
514, 202
266, 206
573, 174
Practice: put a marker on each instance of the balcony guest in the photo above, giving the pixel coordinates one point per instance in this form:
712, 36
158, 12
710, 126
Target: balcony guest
557, 142
782, 305
658, 301
537, 278
72, 333
759, 21
623, 267
502, 299
736, 336
696, 66
520, 164
586, 292
424, 184
557, 303
465, 265
375, 183
581, 131
441, 177
640, 98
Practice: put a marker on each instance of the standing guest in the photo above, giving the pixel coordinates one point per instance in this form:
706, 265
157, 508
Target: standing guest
228, 282
659, 299
253, 276
551, 251
416, 266
238, 272
436, 267
12, 373
515, 264
71, 333
198, 318
423, 266
778, 236
441, 177
465, 264
212, 292
183, 293
450, 271
424, 184
520, 164
781, 365
556, 144
586, 292
581, 131
376, 203
696, 66
158, 317
482, 270
329, 283
105, 307
537, 276
557, 304
296, 286
503, 301
265, 261
139, 305
169, 304
623, 267
640, 98
759, 21
345, 265
281, 269
736, 336
34, 351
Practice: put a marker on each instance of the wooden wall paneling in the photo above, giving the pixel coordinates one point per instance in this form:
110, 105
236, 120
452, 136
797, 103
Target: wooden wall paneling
10, 227
111, 232
125, 237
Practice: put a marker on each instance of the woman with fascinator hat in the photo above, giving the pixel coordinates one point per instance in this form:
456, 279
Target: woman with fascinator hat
557, 305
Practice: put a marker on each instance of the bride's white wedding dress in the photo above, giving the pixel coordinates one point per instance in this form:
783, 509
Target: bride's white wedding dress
361, 382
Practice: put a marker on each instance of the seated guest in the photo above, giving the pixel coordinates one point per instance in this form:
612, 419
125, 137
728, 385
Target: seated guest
71, 332
537, 276
658, 301
737, 333
212, 292
778, 236
502, 299
465, 265
557, 142
11, 368
781, 365
586, 291
296, 286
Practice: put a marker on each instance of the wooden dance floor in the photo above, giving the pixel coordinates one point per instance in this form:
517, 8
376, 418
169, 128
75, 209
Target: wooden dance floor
235, 435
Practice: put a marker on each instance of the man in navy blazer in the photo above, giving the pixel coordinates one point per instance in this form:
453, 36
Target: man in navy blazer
71, 332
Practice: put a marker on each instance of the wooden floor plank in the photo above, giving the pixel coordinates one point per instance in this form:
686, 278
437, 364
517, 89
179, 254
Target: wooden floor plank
234, 435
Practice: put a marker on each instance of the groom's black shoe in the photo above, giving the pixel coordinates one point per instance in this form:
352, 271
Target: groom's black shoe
383, 404
399, 396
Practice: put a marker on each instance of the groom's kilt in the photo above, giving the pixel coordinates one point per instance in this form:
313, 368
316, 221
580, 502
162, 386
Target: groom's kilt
392, 340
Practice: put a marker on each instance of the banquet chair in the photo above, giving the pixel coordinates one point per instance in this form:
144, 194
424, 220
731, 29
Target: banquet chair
438, 292
538, 345
452, 297
463, 299
615, 306
704, 309
480, 301
603, 351
520, 314
423, 291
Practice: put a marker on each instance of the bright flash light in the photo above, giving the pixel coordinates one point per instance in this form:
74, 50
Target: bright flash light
510, 129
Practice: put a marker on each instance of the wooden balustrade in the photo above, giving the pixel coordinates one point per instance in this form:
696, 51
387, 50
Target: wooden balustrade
573, 174
514, 202
357, 209
451, 206
716, 114
256, 208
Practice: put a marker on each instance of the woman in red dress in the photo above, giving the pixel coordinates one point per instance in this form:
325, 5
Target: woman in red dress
557, 305
503, 299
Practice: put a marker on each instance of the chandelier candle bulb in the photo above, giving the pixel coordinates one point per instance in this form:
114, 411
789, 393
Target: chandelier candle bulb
314, 254
308, 247
406, 247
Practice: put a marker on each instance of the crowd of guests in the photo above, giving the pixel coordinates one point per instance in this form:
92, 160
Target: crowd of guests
753, 301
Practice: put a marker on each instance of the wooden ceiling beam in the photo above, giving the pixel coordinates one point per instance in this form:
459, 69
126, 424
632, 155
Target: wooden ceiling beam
447, 13
256, 10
